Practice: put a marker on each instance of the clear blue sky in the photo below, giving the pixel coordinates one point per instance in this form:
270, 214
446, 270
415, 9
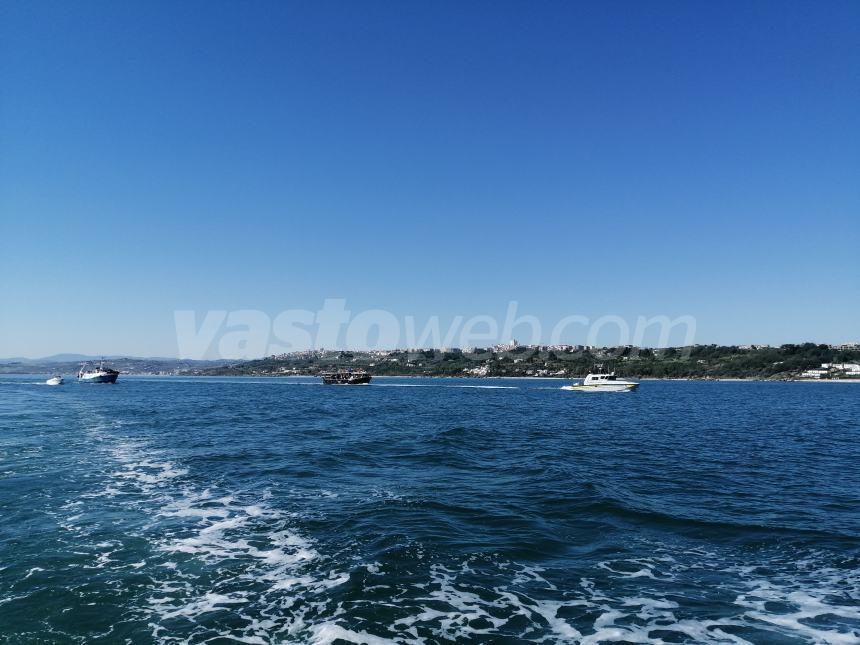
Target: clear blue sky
608, 158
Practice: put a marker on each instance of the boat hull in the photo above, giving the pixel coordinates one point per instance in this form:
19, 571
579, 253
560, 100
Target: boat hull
54, 381
98, 378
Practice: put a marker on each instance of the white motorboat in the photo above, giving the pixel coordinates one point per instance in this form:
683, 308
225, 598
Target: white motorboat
602, 382
55, 380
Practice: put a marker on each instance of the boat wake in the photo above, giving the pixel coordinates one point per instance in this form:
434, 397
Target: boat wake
444, 385
206, 562
636, 601
217, 565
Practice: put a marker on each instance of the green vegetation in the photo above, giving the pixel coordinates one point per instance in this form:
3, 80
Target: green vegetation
699, 362
696, 362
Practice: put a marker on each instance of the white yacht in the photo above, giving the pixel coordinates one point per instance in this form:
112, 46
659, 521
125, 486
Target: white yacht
55, 380
602, 382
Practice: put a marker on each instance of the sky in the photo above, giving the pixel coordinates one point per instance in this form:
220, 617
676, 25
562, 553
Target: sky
427, 159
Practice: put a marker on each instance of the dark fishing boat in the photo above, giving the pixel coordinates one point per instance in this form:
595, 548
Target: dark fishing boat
100, 374
346, 377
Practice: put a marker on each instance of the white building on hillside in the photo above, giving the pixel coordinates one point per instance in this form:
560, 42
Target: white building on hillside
834, 370
814, 373
848, 368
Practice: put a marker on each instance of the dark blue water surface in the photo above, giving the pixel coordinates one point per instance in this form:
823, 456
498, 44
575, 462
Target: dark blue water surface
422, 511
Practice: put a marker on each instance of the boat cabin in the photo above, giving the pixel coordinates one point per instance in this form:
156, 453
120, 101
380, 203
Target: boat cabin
346, 377
599, 378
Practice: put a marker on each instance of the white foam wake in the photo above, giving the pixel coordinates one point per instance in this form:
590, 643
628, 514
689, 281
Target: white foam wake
221, 564
232, 566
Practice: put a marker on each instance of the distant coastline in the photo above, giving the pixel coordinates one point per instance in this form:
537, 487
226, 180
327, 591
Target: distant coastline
559, 379
790, 362
698, 362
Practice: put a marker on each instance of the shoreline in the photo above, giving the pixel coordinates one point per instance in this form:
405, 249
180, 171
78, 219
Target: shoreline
468, 377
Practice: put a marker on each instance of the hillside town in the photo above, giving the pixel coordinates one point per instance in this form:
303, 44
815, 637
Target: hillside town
511, 359
806, 361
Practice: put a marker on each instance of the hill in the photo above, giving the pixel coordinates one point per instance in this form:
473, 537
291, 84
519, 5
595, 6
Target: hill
698, 361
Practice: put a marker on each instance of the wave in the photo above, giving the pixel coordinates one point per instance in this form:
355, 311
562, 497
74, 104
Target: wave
619, 508
514, 602
223, 564
219, 563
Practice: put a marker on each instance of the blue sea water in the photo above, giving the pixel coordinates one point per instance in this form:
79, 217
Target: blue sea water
209, 510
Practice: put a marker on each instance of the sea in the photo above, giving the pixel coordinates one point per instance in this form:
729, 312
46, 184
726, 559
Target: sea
280, 510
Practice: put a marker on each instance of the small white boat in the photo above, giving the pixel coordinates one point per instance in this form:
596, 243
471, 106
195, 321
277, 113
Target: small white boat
602, 382
55, 380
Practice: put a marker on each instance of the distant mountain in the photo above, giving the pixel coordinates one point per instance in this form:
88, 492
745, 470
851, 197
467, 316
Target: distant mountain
69, 363
71, 358
65, 358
